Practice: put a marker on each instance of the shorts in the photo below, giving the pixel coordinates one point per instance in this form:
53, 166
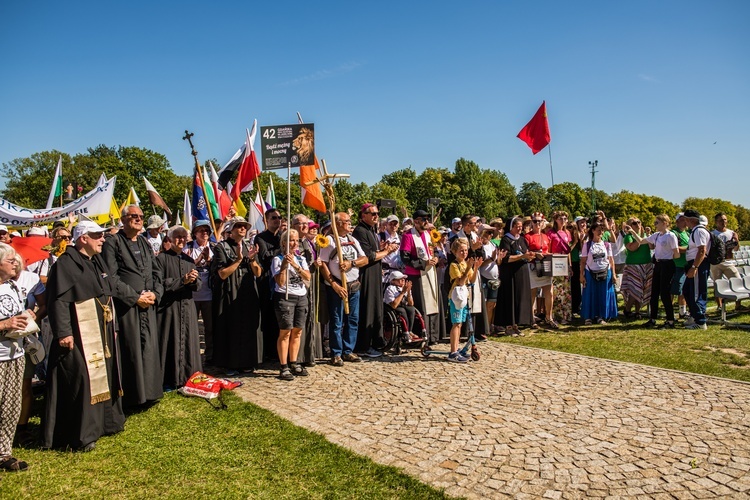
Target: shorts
678, 280
490, 295
291, 313
460, 315
724, 269
28, 371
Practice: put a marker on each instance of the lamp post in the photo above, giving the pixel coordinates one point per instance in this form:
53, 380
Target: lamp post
432, 203
593, 165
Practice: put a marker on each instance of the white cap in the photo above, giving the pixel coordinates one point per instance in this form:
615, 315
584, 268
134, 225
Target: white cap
396, 275
3, 228
86, 227
391, 218
36, 231
680, 215
703, 220
407, 219
455, 220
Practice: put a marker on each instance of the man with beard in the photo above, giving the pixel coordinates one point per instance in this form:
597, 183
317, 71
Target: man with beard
370, 334
137, 290
269, 247
83, 384
420, 261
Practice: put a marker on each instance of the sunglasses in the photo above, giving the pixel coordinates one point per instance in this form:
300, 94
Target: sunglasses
275, 217
67, 238
372, 213
536, 221
134, 216
95, 236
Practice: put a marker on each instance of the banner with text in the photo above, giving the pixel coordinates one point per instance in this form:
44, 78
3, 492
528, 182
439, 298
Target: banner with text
287, 145
95, 202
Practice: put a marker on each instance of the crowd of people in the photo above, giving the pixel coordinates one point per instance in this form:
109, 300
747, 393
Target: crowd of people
110, 321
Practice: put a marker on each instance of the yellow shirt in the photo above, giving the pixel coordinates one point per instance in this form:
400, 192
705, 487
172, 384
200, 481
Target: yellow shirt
456, 271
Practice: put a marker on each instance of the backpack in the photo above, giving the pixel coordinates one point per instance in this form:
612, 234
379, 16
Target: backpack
718, 250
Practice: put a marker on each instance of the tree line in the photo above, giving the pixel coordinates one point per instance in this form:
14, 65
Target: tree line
466, 188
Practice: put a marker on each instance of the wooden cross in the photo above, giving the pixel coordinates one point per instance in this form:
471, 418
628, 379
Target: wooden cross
96, 360
326, 180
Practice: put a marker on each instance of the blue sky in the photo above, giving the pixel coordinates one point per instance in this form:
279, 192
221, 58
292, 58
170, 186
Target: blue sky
656, 91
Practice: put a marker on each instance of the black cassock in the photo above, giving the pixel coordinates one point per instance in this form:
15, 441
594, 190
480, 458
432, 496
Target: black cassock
134, 269
269, 246
238, 342
69, 418
179, 342
370, 332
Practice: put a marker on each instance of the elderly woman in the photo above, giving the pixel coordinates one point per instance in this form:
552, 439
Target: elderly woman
291, 276
513, 306
179, 344
598, 278
12, 360
638, 271
238, 343
561, 243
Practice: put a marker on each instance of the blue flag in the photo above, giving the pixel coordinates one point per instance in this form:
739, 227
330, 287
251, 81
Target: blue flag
200, 207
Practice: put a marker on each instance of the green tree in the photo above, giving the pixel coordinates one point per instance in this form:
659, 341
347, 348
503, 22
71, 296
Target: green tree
569, 197
28, 180
743, 222
712, 206
486, 193
533, 197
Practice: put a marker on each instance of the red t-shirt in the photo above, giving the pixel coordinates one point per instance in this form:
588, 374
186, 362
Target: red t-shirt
537, 242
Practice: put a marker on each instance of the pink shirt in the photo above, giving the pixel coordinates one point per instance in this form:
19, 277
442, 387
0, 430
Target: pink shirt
559, 241
407, 245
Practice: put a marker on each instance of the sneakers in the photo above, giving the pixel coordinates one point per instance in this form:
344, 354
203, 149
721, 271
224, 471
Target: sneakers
351, 358
587, 322
649, 324
231, 373
668, 325
696, 326
298, 370
371, 353
285, 374
337, 361
689, 321
456, 357
602, 322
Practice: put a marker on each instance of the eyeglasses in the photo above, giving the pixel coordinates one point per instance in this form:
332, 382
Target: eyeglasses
275, 217
95, 236
372, 213
66, 237
536, 221
135, 216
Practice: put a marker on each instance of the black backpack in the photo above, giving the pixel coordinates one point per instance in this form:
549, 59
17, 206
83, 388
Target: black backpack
718, 250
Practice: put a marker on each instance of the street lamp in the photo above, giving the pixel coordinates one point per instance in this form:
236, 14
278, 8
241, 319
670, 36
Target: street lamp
432, 203
593, 165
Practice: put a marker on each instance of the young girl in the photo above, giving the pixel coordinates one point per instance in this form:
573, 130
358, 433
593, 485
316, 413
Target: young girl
461, 272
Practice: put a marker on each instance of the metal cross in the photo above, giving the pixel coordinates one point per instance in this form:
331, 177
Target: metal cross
188, 137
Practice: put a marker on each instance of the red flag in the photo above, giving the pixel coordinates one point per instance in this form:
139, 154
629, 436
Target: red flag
312, 196
249, 170
536, 133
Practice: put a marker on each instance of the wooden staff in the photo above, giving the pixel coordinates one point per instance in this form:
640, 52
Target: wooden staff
326, 180
188, 137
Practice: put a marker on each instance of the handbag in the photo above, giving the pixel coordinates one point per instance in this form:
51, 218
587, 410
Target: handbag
600, 275
31, 328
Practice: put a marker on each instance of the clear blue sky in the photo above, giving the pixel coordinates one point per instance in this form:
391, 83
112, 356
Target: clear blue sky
656, 91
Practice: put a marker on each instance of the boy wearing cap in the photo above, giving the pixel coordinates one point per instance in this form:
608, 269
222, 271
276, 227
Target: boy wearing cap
398, 298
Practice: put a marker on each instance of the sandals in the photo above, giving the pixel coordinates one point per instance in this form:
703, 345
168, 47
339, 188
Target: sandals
12, 464
552, 324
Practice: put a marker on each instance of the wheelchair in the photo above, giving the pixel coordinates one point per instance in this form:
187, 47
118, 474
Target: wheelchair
395, 331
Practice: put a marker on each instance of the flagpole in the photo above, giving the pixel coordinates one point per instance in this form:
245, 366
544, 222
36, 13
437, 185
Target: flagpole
188, 137
288, 216
549, 150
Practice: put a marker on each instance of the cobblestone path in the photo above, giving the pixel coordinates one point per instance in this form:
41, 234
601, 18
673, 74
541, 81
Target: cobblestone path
529, 423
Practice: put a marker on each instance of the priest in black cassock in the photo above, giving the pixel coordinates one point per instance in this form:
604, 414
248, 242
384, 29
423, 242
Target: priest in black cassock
137, 290
178, 319
370, 334
83, 380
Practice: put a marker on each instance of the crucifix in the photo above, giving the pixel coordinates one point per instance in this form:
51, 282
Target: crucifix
189, 137
95, 360
326, 180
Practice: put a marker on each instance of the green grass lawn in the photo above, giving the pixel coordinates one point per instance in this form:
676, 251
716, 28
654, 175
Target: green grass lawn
182, 448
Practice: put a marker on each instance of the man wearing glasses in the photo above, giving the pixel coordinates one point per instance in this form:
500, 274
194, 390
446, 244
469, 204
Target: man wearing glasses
370, 339
269, 246
137, 289
84, 355
420, 263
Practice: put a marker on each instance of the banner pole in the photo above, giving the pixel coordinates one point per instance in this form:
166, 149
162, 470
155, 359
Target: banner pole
549, 150
288, 217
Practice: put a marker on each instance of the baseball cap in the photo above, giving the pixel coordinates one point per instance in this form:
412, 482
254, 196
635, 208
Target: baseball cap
579, 218
703, 220
455, 220
407, 219
36, 231
678, 216
3, 228
86, 227
421, 213
396, 275
692, 214
391, 218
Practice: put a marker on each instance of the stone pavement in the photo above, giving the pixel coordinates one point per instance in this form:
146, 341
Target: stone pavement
529, 423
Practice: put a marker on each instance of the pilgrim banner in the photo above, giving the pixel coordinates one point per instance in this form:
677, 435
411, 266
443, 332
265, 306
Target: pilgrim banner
287, 146
95, 202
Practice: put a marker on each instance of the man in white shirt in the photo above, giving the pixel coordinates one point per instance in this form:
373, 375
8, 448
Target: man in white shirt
697, 268
342, 327
726, 268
